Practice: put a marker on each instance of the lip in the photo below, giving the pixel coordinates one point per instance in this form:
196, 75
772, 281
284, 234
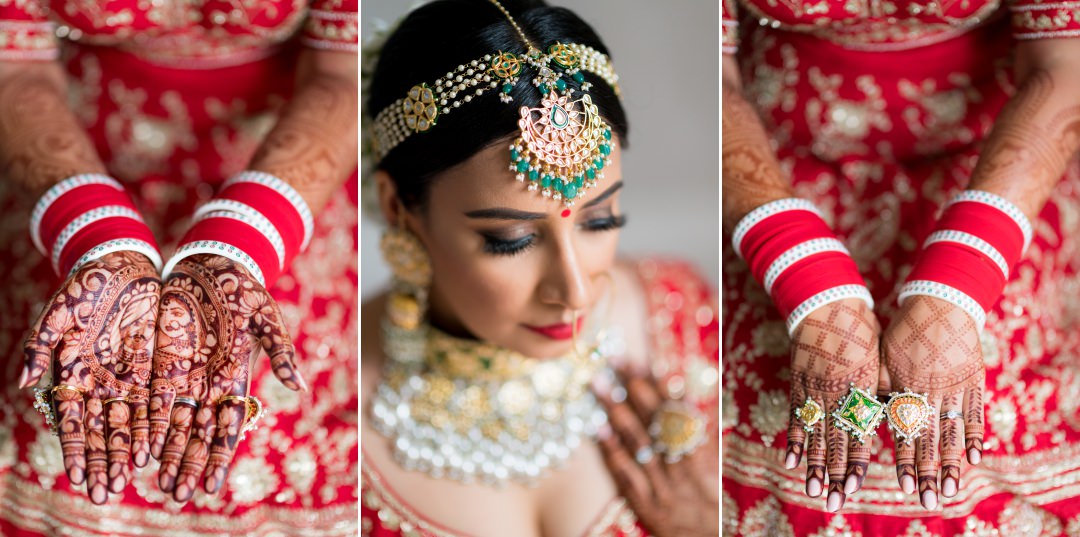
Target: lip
559, 332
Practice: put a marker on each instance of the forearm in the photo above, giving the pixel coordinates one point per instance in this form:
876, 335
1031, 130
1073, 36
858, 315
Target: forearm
313, 145
1033, 139
750, 171
41, 141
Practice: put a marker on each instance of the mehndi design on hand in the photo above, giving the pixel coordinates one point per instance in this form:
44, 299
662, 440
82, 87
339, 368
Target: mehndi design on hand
835, 346
933, 347
214, 318
97, 332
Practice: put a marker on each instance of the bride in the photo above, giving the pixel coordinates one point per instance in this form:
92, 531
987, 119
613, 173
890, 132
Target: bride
517, 378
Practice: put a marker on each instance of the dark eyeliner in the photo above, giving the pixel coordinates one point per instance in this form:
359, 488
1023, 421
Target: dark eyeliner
497, 246
606, 223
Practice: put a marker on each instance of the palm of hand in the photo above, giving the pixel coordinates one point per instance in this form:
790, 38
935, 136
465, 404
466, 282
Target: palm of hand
214, 317
933, 348
97, 333
835, 346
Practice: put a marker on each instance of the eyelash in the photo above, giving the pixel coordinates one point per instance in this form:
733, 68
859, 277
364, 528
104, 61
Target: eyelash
497, 246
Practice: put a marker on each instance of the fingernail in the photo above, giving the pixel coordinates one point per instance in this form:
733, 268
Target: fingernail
974, 456
183, 493
618, 394
75, 475
813, 488
303, 383
929, 499
851, 484
835, 501
604, 432
601, 384
98, 494
908, 484
789, 462
23, 377
948, 487
166, 482
141, 458
117, 485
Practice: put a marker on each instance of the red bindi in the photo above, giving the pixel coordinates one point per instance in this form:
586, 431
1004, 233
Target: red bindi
565, 213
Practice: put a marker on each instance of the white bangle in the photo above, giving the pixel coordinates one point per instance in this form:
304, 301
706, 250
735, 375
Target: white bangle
797, 253
1001, 204
755, 217
217, 248
971, 241
119, 245
286, 191
252, 218
827, 296
59, 189
84, 220
947, 293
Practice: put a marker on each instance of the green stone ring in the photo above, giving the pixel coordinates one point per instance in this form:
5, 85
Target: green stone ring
859, 414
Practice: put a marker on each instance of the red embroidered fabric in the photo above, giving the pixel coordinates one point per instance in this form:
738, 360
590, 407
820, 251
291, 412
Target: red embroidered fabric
684, 344
880, 125
176, 97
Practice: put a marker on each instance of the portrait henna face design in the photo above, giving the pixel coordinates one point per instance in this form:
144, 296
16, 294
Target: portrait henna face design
95, 333
214, 318
834, 347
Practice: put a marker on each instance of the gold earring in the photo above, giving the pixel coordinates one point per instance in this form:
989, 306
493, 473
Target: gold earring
411, 266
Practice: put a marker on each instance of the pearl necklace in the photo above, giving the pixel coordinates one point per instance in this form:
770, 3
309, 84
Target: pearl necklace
472, 411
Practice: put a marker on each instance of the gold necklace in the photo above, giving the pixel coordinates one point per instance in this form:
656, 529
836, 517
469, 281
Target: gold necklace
475, 412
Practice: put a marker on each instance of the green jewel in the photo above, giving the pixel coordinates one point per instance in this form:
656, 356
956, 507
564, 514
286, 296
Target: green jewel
534, 175
590, 173
546, 181
507, 88
544, 89
560, 84
607, 134
859, 413
559, 117
514, 155
578, 77
570, 191
522, 166
599, 163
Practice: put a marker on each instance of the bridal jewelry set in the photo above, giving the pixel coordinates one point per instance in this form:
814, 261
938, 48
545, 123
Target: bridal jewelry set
470, 410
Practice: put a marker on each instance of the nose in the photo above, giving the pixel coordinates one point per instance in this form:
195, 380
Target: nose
567, 281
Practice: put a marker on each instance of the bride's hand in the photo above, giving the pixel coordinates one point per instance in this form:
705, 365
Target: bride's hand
214, 318
670, 498
97, 334
834, 347
933, 348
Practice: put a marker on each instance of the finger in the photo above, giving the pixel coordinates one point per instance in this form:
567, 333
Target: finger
905, 464
815, 460
118, 444
140, 432
973, 422
231, 415
644, 396
45, 334
161, 414
796, 435
634, 437
69, 414
884, 385
858, 461
629, 478
96, 454
836, 444
172, 452
927, 462
952, 448
198, 448
269, 327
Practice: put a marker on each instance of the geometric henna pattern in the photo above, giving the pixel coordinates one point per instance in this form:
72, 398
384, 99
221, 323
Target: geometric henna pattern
933, 347
214, 317
97, 333
836, 345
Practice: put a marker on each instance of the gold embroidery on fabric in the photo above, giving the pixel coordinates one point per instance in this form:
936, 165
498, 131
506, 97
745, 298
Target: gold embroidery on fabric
766, 519
918, 529
838, 527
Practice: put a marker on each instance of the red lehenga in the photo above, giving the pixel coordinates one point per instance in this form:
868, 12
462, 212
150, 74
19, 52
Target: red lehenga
684, 351
177, 96
879, 110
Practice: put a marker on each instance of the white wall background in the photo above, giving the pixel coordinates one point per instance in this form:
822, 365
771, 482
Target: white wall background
667, 55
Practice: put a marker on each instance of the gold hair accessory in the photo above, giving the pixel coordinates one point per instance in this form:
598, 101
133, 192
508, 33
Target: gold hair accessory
564, 144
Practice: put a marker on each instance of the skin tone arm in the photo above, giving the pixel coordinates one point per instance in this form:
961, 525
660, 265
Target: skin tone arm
43, 142
1034, 138
836, 345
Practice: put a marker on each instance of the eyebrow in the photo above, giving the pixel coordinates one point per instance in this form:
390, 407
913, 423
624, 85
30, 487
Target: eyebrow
506, 213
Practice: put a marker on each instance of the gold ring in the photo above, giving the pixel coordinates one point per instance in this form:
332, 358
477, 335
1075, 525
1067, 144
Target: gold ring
62, 387
908, 413
677, 429
809, 413
859, 413
253, 412
113, 400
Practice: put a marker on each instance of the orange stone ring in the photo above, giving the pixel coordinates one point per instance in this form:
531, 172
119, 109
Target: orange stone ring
908, 413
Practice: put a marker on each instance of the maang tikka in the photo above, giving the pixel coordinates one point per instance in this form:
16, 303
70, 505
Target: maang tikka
564, 144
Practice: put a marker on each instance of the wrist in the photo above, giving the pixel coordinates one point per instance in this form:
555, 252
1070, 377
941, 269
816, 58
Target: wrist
85, 217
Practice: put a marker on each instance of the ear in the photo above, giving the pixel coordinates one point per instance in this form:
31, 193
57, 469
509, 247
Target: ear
389, 202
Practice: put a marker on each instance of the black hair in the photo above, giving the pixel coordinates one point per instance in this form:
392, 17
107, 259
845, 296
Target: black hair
433, 40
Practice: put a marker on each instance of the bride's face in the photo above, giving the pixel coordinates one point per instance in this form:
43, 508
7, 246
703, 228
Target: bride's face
509, 267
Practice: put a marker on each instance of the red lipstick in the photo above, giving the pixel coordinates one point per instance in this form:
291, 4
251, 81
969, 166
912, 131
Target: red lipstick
560, 331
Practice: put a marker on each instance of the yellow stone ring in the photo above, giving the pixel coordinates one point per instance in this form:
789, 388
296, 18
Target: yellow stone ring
909, 413
254, 411
677, 430
859, 414
809, 413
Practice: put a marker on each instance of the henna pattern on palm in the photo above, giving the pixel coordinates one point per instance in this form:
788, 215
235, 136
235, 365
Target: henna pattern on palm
214, 318
96, 333
933, 347
835, 346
